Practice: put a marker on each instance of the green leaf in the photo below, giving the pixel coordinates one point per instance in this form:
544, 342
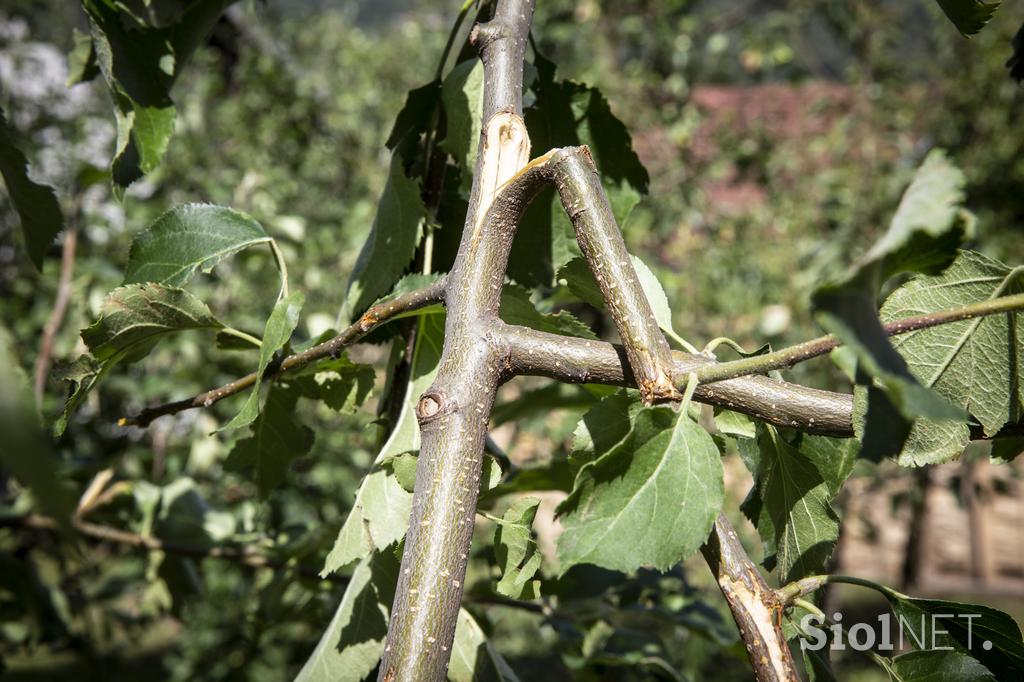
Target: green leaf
140, 61
922, 237
937, 666
789, 504
516, 308
649, 500
832, 457
474, 658
353, 642
36, 205
392, 242
414, 117
734, 424
984, 633
1016, 61
278, 330
379, 517
974, 364
542, 401
1005, 450
26, 453
463, 97
553, 475
580, 281
188, 238
341, 384
277, 439
82, 64
380, 514
135, 317
516, 551
969, 16
602, 427
566, 114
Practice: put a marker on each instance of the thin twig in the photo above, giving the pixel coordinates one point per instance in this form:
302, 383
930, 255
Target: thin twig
60, 307
241, 555
787, 357
372, 318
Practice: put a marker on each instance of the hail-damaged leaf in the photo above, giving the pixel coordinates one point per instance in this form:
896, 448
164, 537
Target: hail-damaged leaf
516, 551
650, 500
392, 242
975, 364
277, 439
36, 205
133, 319
188, 238
341, 384
278, 330
923, 237
517, 308
969, 16
790, 504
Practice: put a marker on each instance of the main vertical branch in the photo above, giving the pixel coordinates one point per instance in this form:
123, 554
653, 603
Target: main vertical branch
454, 411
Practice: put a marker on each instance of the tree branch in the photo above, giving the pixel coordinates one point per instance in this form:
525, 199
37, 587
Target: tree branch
376, 315
60, 307
787, 357
453, 413
600, 240
532, 352
755, 607
241, 555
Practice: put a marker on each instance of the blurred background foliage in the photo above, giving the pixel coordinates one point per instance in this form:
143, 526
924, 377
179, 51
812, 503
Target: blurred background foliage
773, 133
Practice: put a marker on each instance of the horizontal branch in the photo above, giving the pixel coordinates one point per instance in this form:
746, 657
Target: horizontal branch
787, 357
376, 315
532, 352
241, 555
